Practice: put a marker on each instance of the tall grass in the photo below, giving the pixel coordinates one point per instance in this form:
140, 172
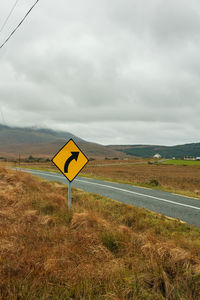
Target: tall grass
100, 250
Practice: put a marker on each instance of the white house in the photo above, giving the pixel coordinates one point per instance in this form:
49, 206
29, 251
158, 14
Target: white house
157, 155
189, 158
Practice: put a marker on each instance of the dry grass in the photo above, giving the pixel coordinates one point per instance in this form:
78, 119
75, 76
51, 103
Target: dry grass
100, 250
181, 178
175, 178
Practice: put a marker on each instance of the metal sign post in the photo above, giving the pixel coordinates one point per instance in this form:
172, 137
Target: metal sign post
69, 196
70, 160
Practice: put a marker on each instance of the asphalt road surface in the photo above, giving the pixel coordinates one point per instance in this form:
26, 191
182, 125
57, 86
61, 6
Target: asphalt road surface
184, 208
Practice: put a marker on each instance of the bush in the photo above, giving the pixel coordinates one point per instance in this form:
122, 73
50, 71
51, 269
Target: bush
111, 241
154, 182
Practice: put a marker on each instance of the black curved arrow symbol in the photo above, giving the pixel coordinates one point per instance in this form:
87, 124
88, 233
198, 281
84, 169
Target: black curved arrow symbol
72, 157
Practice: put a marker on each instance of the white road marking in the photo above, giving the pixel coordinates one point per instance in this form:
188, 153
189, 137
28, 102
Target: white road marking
139, 194
185, 196
122, 190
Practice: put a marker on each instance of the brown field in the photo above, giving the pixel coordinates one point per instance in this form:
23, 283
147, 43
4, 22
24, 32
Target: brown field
183, 179
170, 177
100, 250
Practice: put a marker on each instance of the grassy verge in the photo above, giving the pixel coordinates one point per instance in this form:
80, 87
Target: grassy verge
40, 168
101, 249
181, 162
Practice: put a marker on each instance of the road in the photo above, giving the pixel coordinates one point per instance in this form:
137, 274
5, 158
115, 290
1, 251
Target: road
184, 208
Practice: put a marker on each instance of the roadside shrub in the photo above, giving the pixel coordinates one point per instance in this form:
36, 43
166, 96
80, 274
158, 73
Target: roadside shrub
111, 241
154, 182
129, 219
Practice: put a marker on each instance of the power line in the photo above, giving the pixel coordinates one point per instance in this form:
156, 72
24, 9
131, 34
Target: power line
10, 13
18, 24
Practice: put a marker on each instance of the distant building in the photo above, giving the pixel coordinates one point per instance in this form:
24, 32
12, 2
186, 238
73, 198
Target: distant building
157, 155
189, 158
198, 158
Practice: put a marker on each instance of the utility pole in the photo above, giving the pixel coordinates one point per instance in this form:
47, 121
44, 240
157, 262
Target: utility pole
19, 160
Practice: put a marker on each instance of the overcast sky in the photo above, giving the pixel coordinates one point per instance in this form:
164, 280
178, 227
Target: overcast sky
108, 71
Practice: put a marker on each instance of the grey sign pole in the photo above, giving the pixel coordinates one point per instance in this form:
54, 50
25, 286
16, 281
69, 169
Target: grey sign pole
70, 160
69, 196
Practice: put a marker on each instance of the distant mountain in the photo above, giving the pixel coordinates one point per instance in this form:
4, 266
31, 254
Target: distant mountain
165, 151
46, 142
16, 135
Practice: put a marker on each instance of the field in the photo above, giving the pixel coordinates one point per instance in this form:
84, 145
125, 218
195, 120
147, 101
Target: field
176, 178
101, 249
182, 179
181, 162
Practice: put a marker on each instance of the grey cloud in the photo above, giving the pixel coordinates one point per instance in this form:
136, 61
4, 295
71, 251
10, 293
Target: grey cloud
128, 67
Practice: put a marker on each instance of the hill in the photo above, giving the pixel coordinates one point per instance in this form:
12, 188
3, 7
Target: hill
177, 151
46, 142
17, 135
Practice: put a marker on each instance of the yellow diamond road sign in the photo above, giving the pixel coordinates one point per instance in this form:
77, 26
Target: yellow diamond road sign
70, 160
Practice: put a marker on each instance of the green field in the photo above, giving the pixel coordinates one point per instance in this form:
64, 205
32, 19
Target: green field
182, 162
